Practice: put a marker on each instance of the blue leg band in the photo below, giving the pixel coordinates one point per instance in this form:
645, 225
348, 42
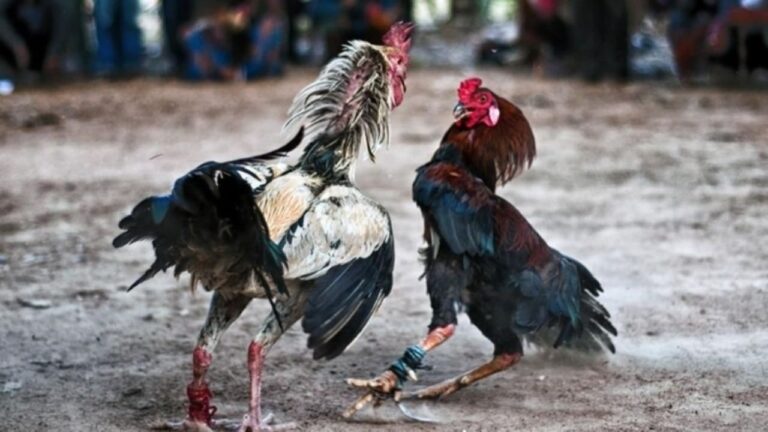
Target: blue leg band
411, 360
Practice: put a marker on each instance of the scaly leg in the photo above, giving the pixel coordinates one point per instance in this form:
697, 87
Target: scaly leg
222, 312
499, 363
290, 310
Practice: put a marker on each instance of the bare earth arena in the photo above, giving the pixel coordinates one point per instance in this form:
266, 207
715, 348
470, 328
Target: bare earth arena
662, 192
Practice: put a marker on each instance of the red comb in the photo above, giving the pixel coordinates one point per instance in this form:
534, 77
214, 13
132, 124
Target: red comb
467, 88
399, 35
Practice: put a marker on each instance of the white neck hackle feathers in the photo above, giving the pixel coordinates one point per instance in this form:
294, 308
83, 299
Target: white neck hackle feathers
346, 107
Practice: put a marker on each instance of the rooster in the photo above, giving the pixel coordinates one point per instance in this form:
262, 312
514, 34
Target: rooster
482, 254
302, 236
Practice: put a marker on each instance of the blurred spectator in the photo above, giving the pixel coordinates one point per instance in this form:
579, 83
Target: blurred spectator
31, 37
118, 37
545, 33
737, 38
379, 17
76, 55
294, 9
601, 39
339, 21
406, 10
726, 32
176, 15
689, 21
242, 41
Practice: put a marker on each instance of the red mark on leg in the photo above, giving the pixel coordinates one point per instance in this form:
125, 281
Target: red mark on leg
201, 361
437, 336
199, 395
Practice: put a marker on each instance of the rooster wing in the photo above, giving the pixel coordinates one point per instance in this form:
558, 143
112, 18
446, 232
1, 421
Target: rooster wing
458, 206
343, 249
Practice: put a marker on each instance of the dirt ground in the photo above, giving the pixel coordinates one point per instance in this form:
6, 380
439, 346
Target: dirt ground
661, 191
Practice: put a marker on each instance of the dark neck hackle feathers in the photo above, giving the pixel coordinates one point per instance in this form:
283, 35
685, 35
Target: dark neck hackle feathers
496, 154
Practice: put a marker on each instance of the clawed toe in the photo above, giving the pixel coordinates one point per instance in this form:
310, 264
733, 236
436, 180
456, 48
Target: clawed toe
431, 392
247, 424
184, 426
251, 424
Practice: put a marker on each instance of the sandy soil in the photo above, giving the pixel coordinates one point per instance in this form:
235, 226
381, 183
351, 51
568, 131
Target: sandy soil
662, 192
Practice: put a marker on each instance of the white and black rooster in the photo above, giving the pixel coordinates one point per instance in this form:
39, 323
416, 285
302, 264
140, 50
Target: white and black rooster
302, 236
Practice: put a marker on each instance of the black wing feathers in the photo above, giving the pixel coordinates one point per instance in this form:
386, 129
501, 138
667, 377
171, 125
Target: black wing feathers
458, 205
210, 216
344, 299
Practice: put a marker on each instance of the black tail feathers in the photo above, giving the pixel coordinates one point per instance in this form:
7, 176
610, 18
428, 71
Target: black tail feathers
586, 328
209, 219
210, 225
594, 330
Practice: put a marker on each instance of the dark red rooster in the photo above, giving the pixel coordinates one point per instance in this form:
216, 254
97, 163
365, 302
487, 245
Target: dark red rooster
481, 253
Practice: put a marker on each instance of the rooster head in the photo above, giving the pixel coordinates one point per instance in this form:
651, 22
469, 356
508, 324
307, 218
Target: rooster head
397, 43
492, 132
476, 105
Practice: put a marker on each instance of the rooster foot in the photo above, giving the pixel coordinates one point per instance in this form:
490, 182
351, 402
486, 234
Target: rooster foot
184, 426
436, 391
247, 424
252, 424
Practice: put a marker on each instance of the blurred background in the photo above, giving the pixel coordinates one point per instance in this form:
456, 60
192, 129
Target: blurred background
720, 41
652, 169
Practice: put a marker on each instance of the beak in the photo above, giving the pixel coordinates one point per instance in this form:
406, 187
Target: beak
459, 111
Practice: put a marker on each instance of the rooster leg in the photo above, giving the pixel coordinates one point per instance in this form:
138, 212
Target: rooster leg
221, 314
290, 310
499, 363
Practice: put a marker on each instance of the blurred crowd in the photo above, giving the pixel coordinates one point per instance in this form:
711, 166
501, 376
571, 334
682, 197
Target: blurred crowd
587, 37
203, 39
732, 34
247, 39
591, 38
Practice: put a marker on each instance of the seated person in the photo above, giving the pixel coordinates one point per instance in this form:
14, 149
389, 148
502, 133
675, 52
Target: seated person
339, 21
379, 17
241, 42
708, 31
738, 37
30, 39
545, 33
689, 21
